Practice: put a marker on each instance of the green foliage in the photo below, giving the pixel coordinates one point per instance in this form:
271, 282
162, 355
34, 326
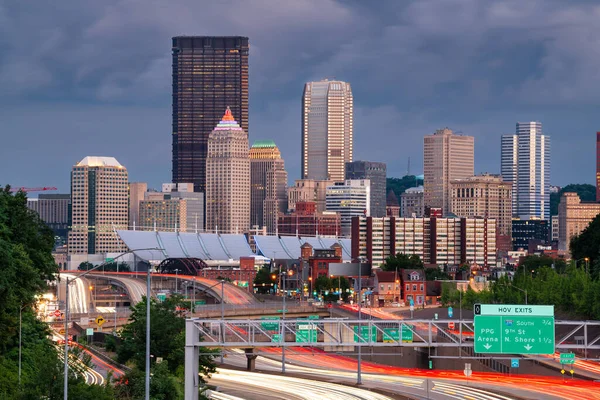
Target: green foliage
587, 244
324, 283
402, 261
585, 191
535, 262
167, 338
432, 274
399, 185
264, 276
163, 385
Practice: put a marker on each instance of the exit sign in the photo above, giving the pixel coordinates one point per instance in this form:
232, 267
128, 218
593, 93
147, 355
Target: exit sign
508, 329
567, 358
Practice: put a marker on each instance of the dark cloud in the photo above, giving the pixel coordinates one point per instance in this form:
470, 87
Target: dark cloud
82, 77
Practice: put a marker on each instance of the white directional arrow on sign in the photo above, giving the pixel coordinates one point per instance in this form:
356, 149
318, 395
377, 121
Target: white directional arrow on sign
528, 347
487, 346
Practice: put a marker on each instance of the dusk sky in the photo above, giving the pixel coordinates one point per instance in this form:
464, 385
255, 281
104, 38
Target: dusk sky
82, 78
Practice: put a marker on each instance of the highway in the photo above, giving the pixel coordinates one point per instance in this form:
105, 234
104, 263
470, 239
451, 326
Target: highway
79, 296
421, 387
252, 385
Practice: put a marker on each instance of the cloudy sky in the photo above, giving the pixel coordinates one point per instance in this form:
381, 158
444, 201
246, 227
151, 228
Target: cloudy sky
84, 77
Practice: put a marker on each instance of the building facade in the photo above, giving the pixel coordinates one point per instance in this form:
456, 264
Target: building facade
327, 130
209, 74
523, 231
412, 203
163, 215
446, 157
438, 241
573, 217
99, 205
268, 185
349, 199
376, 173
53, 209
228, 178
554, 228
305, 220
525, 161
485, 196
137, 191
308, 190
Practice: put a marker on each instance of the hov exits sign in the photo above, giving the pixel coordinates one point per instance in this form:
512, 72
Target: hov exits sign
514, 329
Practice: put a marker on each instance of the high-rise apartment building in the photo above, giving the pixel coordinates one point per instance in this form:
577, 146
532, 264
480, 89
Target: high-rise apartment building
99, 205
350, 199
439, 241
529, 230
53, 209
411, 203
268, 185
327, 130
485, 196
228, 178
573, 217
446, 156
598, 166
526, 163
376, 173
210, 73
137, 191
305, 220
308, 190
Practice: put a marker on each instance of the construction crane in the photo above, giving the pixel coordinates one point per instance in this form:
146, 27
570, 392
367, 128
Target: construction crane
35, 189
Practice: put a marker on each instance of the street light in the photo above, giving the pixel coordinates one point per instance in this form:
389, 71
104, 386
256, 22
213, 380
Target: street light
283, 276
518, 288
66, 355
587, 260
176, 281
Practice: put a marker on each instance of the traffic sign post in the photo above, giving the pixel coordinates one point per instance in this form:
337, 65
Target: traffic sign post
468, 371
508, 329
567, 358
306, 332
364, 334
450, 312
270, 325
514, 363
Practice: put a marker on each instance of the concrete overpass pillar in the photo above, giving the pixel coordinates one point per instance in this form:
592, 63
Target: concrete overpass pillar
251, 359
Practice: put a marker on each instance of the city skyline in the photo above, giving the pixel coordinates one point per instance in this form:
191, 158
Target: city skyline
116, 96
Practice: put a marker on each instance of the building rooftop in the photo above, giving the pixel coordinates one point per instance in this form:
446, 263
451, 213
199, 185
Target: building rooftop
98, 161
263, 144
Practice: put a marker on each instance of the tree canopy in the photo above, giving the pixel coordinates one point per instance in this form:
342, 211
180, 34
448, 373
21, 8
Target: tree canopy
399, 185
402, 261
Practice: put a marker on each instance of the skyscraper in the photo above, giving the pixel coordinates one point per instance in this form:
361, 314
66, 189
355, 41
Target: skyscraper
526, 163
209, 74
228, 178
53, 209
327, 130
376, 173
351, 198
268, 185
99, 205
446, 156
136, 194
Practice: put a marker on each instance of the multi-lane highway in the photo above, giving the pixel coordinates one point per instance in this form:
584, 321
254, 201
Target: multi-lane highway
79, 296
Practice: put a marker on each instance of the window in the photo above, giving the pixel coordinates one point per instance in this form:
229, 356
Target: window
414, 288
421, 288
407, 287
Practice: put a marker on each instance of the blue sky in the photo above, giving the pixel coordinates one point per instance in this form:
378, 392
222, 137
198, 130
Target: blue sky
84, 78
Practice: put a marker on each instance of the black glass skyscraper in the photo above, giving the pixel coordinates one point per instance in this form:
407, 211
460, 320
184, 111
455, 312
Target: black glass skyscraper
209, 74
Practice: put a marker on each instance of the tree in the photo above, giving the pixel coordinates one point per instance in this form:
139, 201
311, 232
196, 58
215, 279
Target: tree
432, 274
263, 280
585, 191
399, 185
167, 339
535, 263
85, 266
402, 261
587, 243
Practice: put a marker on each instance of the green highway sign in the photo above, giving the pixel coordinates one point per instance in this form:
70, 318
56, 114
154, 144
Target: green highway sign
407, 334
270, 326
109, 259
514, 310
567, 358
276, 338
161, 296
313, 317
364, 334
512, 334
306, 332
391, 335
201, 302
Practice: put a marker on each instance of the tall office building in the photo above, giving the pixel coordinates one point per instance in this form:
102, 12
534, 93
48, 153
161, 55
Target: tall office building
411, 203
486, 196
53, 209
573, 217
99, 205
136, 194
327, 130
526, 163
351, 198
209, 74
176, 208
228, 178
598, 166
376, 173
308, 190
268, 185
446, 156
